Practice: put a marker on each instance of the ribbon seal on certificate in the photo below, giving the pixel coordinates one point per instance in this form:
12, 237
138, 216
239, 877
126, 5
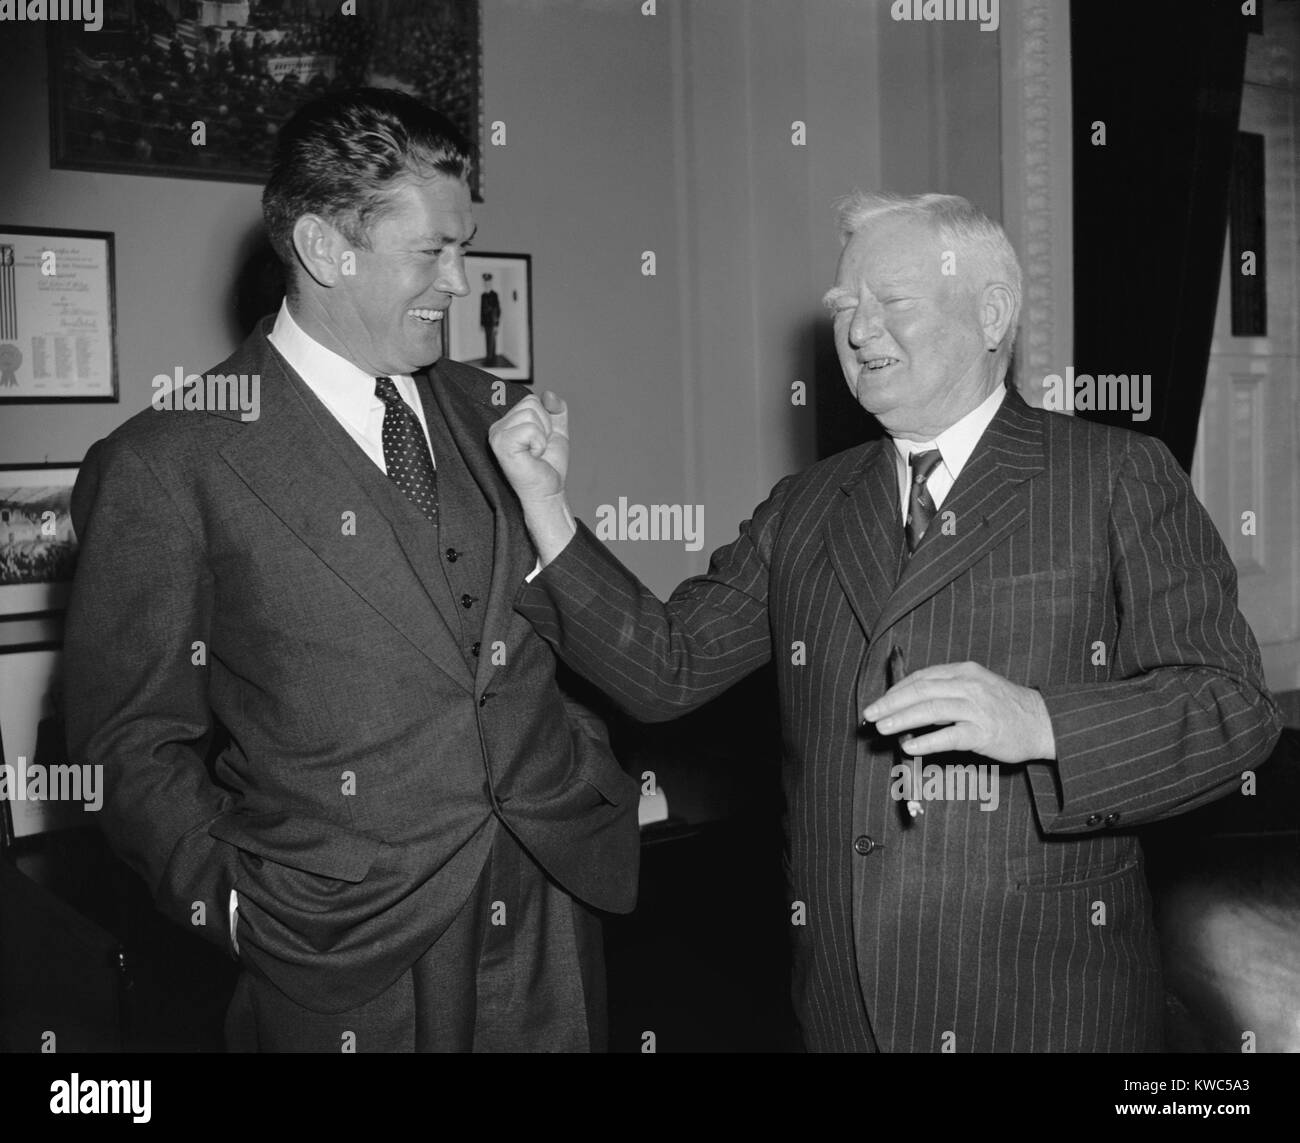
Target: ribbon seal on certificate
10, 358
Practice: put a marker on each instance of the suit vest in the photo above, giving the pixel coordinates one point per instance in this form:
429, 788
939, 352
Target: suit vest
453, 557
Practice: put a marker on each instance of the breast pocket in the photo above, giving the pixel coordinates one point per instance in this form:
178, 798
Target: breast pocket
1034, 624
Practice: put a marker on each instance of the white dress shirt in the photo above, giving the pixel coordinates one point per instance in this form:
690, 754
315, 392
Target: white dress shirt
955, 445
345, 390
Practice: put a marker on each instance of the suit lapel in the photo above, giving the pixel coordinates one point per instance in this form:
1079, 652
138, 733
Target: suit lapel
864, 534
308, 477
512, 553
988, 502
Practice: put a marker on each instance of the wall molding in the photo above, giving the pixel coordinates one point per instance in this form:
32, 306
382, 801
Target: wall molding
1037, 187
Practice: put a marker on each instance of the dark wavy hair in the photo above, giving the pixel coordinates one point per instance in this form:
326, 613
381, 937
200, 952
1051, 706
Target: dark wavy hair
338, 156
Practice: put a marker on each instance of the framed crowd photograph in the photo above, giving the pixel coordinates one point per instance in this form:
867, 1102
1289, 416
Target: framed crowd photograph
58, 338
492, 328
199, 88
38, 550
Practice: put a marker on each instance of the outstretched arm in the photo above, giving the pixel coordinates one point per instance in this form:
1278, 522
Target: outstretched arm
656, 660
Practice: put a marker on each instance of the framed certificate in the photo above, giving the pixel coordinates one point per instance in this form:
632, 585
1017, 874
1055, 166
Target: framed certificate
57, 322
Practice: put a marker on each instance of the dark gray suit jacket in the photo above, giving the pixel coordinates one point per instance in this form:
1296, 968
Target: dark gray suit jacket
222, 605
1068, 557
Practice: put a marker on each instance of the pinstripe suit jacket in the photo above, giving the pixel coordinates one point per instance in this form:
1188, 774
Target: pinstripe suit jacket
1069, 557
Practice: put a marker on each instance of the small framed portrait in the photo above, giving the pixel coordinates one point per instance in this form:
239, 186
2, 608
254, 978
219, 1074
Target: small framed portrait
492, 329
38, 550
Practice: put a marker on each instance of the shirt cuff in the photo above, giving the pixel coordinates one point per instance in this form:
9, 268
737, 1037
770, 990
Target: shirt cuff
234, 919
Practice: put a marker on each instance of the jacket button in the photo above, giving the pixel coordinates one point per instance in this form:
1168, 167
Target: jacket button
863, 845
452, 555
486, 695
474, 649
1111, 819
467, 600
1093, 819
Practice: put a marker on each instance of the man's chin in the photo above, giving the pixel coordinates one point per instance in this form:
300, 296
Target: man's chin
874, 391
422, 354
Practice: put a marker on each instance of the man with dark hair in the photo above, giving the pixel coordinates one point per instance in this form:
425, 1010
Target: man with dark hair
329, 745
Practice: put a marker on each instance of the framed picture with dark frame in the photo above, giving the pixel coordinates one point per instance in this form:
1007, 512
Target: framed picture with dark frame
198, 88
58, 316
38, 548
492, 328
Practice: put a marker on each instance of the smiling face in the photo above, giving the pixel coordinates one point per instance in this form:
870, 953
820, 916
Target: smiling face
913, 341
387, 317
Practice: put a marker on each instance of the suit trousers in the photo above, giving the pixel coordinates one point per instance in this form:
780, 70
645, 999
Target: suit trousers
520, 969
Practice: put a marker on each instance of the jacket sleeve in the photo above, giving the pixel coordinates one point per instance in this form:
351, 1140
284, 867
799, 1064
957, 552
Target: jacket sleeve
135, 685
1186, 710
658, 660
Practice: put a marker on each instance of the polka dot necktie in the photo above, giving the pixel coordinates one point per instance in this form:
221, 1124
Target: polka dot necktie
406, 452
920, 504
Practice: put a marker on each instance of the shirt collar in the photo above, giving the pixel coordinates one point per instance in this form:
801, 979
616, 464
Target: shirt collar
957, 441
342, 386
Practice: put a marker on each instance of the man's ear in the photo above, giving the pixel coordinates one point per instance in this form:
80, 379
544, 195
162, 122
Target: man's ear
997, 304
320, 248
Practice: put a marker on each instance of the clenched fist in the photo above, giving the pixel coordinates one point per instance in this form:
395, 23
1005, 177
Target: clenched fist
531, 443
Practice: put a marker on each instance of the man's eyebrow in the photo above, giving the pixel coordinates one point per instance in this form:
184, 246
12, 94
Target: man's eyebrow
440, 239
834, 294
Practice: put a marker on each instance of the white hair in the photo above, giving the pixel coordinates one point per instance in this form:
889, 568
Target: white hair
977, 241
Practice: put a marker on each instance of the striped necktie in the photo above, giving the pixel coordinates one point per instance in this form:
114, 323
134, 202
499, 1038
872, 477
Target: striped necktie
920, 504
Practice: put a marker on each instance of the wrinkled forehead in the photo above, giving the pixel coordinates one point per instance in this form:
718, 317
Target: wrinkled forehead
891, 249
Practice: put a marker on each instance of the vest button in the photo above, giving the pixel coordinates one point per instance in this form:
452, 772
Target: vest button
467, 600
475, 648
452, 555
864, 845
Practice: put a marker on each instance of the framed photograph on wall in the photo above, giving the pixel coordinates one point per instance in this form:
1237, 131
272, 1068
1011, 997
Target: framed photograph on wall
32, 740
492, 329
38, 550
58, 339
198, 88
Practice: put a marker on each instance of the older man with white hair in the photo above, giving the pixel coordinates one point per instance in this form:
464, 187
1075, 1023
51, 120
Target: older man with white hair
1003, 638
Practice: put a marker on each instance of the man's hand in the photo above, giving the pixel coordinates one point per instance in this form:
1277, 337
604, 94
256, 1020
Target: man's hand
973, 708
531, 443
